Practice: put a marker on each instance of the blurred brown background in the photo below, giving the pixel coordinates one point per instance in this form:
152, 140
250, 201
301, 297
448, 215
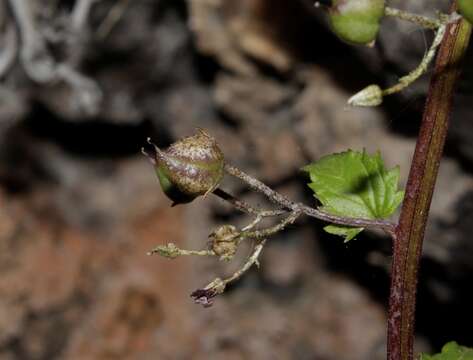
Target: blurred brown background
84, 82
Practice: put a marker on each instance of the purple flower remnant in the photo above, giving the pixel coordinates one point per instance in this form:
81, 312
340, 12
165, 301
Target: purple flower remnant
204, 297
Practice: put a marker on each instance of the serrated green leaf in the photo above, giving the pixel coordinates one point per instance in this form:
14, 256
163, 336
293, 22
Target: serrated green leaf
451, 351
348, 232
355, 184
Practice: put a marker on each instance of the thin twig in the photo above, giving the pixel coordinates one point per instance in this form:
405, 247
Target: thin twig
88, 95
245, 207
41, 66
372, 95
252, 260
259, 186
252, 224
423, 21
386, 225
36, 60
206, 295
171, 251
9, 48
80, 13
112, 18
259, 234
283, 201
422, 68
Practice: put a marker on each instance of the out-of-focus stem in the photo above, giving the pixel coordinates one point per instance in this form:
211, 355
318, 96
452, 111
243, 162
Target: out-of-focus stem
423, 21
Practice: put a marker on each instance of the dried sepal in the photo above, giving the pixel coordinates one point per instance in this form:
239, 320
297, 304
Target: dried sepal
224, 241
206, 295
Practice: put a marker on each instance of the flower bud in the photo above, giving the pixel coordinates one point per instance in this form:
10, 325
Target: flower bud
170, 251
465, 8
370, 96
356, 21
190, 167
224, 241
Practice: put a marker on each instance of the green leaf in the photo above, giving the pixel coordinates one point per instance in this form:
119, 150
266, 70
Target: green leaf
451, 351
355, 184
348, 232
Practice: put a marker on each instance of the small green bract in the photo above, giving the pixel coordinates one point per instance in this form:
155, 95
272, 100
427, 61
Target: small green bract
354, 184
451, 351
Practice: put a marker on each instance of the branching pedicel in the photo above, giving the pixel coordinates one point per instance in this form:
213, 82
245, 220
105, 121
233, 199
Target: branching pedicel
194, 166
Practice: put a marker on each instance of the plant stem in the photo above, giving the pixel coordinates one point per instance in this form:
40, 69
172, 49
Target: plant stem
252, 260
301, 208
112, 18
260, 234
423, 21
261, 187
422, 68
244, 207
420, 186
171, 251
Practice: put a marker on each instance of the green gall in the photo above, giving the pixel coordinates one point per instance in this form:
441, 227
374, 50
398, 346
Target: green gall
190, 167
356, 21
465, 7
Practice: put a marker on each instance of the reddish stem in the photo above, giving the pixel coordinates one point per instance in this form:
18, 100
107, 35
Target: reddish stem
409, 233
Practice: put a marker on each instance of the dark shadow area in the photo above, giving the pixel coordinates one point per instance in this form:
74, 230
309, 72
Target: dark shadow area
445, 295
351, 259
93, 138
448, 319
23, 166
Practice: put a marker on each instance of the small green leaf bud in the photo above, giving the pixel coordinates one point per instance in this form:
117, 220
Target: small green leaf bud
224, 241
190, 167
465, 8
370, 96
170, 251
356, 21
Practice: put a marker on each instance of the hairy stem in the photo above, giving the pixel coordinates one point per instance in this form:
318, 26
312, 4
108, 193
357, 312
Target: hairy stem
410, 230
423, 21
252, 260
284, 202
422, 68
259, 186
206, 295
259, 234
245, 207
171, 251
